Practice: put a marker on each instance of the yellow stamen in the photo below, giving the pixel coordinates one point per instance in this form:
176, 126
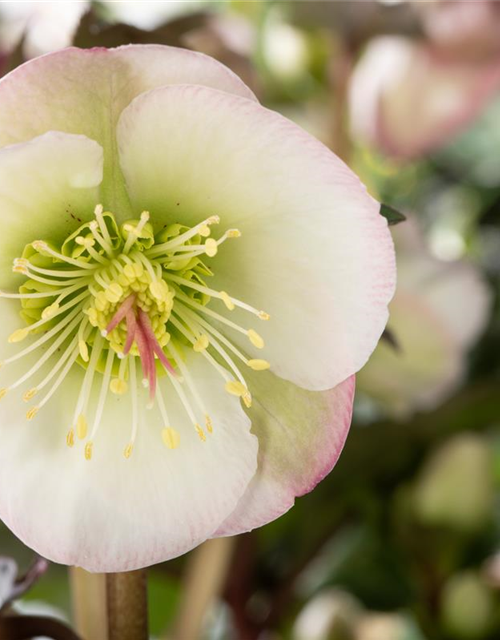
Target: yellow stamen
3, 393
32, 413
247, 399
18, 335
50, 311
263, 315
201, 344
88, 450
84, 350
211, 247
170, 437
233, 233
255, 339
226, 300
70, 438
209, 424
200, 432
258, 365
127, 452
236, 388
118, 387
204, 231
81, 427
30, 394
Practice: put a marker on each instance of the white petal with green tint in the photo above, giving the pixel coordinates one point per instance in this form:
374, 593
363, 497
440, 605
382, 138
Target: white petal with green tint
46, 186
113, 513
85, 90
301, 434
314, 252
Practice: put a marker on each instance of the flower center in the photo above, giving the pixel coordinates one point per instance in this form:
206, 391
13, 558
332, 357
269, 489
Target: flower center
113, 296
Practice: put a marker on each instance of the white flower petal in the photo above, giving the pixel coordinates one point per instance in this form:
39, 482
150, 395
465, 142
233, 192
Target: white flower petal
46, 186
301, 434
314, 253
110, 513
84, 91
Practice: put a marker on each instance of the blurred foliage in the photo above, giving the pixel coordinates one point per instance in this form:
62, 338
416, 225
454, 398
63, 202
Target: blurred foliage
404, 524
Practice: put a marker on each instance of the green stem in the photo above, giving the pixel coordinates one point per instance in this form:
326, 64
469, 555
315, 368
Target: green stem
127, 605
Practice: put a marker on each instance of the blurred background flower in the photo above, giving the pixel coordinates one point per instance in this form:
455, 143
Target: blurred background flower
402, 541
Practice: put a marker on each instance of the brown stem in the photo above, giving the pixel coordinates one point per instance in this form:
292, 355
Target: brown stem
127, 606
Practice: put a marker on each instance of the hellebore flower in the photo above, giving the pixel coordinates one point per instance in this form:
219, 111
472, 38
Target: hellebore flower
183, 382
437, 314
410, 98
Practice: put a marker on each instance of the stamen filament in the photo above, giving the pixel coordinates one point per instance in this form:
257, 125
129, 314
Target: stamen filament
103, 394
182, 239
44, 247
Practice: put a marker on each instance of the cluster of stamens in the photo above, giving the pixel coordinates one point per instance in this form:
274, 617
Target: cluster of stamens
110, 297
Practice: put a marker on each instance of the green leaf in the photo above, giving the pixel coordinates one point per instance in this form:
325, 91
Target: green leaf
391, 215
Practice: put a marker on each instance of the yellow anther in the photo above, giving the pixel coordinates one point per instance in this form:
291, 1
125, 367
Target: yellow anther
98, 210
93, 225
200, 432
18, 335
32, 413
84, 350
258, 365
21, 262
127, 452
209, 424
30, 394
201, 344
255, 339
236, 388
70, 438
144, 216
263, 315
247, 399
85, 242
213, 220
19, 268
129, 271
114, 292
226, 300
50, 311
170, 437
40, 245
210, 247
88, 450
81, 427
118, 387
159, 290
204, 231
233, 233
3, 393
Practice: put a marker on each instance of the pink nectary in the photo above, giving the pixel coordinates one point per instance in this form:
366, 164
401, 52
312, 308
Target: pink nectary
140, 331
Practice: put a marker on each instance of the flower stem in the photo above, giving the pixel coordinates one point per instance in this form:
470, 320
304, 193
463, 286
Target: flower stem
88, 593
205, 577
127, 606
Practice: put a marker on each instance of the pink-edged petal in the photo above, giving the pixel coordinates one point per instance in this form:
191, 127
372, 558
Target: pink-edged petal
112, 513
301, 434
84, 91
408, 99
314, 252
46, 186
